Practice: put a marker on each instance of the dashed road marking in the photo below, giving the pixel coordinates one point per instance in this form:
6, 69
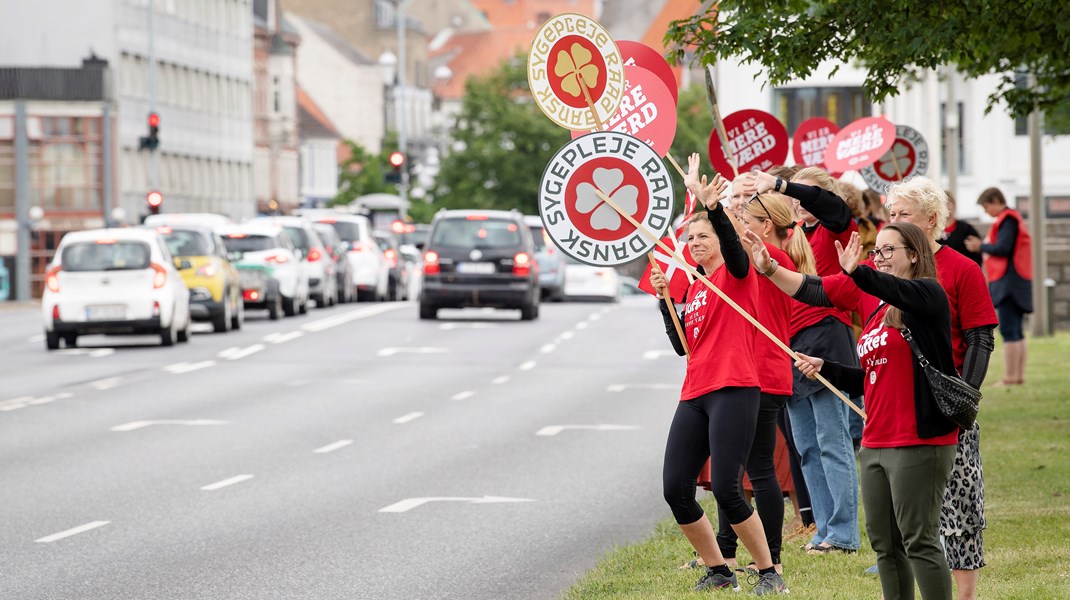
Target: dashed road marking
180, 368
239, 353
106, 384
72, 531
135, 425
420, 350
408, 418
333, 447
279, 338
527, 366
548, 348
463, 395
24, 401
620, 387
552, 430
500, 379
226, 482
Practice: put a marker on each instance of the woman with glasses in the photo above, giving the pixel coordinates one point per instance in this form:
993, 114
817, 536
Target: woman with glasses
718, 410
820, 421
908, 446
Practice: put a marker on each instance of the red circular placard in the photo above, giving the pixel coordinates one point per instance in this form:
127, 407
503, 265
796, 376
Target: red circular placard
612, 176
758, 138
810, 141
647, 111
583, 54
640, 55
860, 144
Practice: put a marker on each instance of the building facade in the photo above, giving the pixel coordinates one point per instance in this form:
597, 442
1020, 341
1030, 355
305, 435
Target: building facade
275, 158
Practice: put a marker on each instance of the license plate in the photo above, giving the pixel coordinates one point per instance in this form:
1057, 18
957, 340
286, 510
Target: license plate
107, 312
476, 268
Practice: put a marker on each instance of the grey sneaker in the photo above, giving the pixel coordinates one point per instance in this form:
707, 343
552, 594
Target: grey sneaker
716, 581
770, 583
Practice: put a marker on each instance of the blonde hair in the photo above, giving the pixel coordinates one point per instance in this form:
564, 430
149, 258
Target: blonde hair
926, 196
820, 177
852, 195
785, 228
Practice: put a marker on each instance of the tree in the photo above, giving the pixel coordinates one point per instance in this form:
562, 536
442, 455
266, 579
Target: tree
895, 41
501, 144
694, 122
364, 173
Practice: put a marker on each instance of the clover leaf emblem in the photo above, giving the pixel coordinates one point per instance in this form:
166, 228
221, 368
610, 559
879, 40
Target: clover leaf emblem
607, 181
574, 64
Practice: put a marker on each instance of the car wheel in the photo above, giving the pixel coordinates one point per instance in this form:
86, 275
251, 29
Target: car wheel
221, 322
239, 316
321, 300
275, 308
70, 340
529, 311
428, 311
168, 336
289, 306
303, 309
392, 289
51, 340
183, 334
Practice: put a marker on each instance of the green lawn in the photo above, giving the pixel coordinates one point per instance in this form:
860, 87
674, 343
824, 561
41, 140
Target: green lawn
1025, 448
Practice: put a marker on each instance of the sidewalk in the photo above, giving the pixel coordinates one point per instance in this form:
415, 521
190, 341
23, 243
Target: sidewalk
12, 305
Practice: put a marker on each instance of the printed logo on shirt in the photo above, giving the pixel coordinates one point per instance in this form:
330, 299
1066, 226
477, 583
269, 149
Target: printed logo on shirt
872, 377
698, 302
871, 340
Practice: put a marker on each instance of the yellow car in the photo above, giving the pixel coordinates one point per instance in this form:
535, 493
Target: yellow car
215, 292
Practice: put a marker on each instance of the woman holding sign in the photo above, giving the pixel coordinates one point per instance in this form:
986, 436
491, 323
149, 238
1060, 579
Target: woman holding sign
718, 410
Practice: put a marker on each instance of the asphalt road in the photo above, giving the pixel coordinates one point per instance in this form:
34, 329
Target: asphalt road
354, 452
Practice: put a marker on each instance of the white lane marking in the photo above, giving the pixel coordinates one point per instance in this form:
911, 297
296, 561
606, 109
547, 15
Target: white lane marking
229, 351
279, 338
72, 531
222, 484
24, 401
135, 425
656, 354
463, 395
552, 430
581, 325
106, 384
500, 379
180, 368
333, 447
360, 313
411, 503
239, 353
409, 417
36, 339
594, 317
548, 348
567, 335
420, 350
527, 366
620, 387
101, 352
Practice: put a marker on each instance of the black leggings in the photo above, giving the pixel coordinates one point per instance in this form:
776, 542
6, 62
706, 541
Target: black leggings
762, 472
802, 495
720, 425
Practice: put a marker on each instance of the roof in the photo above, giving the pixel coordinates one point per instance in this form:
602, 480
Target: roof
475, 54
336, 41
140, 234
311, 122
673, 10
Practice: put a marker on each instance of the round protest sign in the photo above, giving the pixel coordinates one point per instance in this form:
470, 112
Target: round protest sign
811, 140
908, 156
757, 138
859, 144
574, 65
640, 55
647, 111
625, 170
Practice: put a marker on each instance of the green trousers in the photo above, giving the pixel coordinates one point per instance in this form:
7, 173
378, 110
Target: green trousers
902, 490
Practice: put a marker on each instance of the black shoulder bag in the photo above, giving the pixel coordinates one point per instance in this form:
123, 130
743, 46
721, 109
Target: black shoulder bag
956, 399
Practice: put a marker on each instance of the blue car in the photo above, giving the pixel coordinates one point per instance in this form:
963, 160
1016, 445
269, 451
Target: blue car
551, 261
5, 282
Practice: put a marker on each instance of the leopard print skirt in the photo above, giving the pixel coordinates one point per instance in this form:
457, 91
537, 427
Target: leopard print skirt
962, 516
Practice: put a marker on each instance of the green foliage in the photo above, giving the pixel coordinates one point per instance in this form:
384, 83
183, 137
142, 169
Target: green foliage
502, 143
694, 122
363, 172
894, 40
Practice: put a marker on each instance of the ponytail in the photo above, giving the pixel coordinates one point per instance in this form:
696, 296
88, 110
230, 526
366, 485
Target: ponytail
801, 253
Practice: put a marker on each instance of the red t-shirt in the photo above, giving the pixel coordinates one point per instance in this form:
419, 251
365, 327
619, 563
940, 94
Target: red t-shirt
774, 311
827, 261
888, 365
722, 341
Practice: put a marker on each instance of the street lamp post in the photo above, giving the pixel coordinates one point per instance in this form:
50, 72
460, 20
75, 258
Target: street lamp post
400, 98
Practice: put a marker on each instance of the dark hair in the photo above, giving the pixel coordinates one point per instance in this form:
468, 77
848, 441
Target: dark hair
783, 171
992, 196
918, 243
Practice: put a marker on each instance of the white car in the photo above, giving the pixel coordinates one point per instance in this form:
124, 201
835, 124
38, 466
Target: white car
268, 267
316, 266
368, 266
114, 281
584, 282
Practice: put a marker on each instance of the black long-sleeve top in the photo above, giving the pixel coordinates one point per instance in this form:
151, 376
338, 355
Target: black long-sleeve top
829, 209
736, 261
927, 313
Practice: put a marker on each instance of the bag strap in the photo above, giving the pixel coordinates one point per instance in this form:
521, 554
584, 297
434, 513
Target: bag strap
914, 346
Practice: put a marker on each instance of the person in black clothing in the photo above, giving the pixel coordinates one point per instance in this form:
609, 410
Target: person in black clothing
956, 233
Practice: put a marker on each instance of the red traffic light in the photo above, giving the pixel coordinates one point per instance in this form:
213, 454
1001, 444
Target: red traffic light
154, 198
397, 159
154, 120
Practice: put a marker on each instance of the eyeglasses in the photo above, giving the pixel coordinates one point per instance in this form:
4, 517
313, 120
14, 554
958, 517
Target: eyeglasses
762, 204
885, 252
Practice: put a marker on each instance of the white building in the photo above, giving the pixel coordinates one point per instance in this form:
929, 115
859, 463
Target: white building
203, 89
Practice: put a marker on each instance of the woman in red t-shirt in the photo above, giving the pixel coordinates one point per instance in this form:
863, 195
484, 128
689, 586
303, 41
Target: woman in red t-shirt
908, 446
718, 410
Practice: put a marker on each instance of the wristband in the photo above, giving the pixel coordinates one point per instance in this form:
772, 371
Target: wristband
772, 268
776, 186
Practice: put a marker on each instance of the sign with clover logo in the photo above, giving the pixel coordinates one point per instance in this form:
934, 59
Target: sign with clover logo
623, 169
910, 151
574, 66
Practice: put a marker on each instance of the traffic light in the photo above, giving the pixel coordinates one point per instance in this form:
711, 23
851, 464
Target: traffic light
154, 199
397, 159
151, 141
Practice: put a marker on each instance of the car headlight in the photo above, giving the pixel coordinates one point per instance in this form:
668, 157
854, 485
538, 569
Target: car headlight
208, 270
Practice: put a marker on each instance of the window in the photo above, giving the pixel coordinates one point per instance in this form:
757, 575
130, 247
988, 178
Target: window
385, 14
841, 105
959, 146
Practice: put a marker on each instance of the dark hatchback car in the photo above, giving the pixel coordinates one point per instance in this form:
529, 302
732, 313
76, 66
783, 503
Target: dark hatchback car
480, 258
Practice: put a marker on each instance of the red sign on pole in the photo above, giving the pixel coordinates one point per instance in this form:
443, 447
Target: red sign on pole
638, 54
758, 139
647, 111
811, 140
860, 144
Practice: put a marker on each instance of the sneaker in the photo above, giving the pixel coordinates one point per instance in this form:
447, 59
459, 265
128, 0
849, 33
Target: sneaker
769, 584
872, 570
716, 581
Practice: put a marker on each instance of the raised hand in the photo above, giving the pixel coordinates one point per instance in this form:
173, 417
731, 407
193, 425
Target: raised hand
709, 194
756, 182
809, 365
849, 255
759, 253
691, 178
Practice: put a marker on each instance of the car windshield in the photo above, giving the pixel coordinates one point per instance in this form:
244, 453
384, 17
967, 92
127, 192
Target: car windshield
539, 238
249, 243
349, 232
106, 255
188, 243
476, 233
299, 237
417, 236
